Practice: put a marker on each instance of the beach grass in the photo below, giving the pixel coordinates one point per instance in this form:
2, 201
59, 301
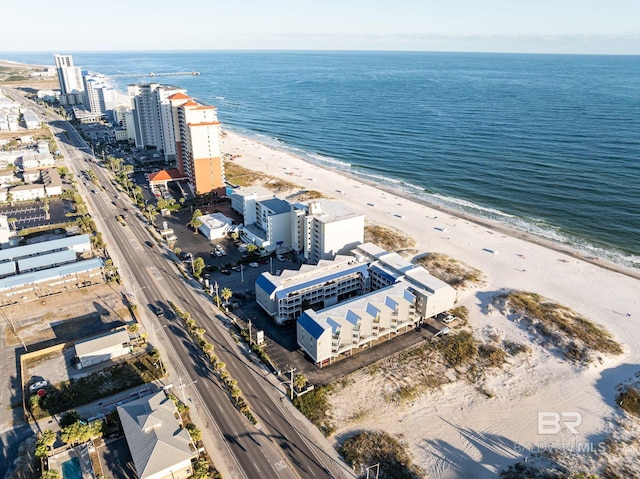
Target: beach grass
576, 335
629, 400
378, 447
387, 238
451, 271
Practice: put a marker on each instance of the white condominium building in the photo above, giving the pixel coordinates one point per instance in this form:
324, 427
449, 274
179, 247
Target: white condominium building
285, 297
70, 79
341, 329
153, 117
323, 228
243, 201
271, 228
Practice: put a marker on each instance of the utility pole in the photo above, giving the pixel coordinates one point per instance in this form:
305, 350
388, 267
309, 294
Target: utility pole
215, 287
291, 381
250, 341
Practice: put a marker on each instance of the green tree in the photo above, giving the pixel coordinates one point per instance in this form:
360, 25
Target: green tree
151, 213
195, 222
12, 222
251, 248
299, 381
45, 207
52, 474
226, 294
197, 266
194, 432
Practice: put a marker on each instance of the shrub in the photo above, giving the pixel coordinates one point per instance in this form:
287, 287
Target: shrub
315, 406
377, 447
629, 400
457, 349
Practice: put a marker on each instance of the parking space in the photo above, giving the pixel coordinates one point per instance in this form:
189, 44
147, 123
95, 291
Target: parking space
32, 214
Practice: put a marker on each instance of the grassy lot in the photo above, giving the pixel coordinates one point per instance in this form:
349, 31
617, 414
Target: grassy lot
135, 371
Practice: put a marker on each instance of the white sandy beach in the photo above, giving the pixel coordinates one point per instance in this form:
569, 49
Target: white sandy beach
457, 432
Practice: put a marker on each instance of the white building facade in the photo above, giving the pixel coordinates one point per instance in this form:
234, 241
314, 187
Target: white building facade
285, 297
342, 329
323, 228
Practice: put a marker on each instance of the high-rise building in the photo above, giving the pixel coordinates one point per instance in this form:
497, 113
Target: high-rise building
70, 79
100, 97
197, 133
153, 117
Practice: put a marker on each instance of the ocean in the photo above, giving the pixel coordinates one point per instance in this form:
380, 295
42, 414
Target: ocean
547, 144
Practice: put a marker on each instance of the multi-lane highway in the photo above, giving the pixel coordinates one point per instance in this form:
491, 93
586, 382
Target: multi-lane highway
281, 446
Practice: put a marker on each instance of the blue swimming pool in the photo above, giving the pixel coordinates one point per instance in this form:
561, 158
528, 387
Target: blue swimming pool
71, 469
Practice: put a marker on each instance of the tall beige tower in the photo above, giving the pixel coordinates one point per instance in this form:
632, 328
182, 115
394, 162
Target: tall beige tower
197, 132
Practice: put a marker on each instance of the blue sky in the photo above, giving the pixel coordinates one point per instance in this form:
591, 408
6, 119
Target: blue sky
541, 26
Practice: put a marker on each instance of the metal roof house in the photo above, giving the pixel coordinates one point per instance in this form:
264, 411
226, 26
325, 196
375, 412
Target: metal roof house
160, 447
104, 347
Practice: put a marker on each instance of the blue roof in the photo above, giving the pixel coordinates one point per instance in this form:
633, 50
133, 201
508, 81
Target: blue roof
276, 205
310, 325
383, 273
264, 283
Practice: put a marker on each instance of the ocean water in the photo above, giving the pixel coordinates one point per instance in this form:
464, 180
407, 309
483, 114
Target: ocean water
548, 144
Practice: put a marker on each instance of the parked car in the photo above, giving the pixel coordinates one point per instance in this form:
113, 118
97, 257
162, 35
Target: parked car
37, 386
239, 295
448, 318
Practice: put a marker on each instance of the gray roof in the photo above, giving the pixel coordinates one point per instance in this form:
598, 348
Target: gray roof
276, 205
42, 247
156, 440
46, 260
50, 274
113, 338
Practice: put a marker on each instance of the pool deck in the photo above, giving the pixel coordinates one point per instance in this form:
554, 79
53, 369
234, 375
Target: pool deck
82, 453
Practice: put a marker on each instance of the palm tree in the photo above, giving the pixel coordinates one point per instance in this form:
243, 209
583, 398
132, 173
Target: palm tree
195, 222
299, 381
226, 294
45, 207
12, 222
151, 213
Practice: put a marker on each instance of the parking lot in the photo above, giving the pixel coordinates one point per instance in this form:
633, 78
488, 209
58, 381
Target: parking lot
31, 213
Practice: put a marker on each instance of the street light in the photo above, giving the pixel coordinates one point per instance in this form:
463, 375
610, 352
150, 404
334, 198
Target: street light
183, 386
153, 330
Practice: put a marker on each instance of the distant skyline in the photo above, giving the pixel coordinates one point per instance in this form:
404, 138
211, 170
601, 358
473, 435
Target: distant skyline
518, 26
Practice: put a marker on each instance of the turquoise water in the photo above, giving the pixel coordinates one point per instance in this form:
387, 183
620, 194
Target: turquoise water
548, 144
71, 469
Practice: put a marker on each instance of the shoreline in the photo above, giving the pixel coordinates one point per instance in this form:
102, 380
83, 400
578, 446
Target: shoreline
456, 416
478, 220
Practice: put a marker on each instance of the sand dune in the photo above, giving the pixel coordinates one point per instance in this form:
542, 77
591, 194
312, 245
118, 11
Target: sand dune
458, 432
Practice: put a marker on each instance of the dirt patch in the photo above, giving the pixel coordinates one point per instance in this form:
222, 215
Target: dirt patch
66, 317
